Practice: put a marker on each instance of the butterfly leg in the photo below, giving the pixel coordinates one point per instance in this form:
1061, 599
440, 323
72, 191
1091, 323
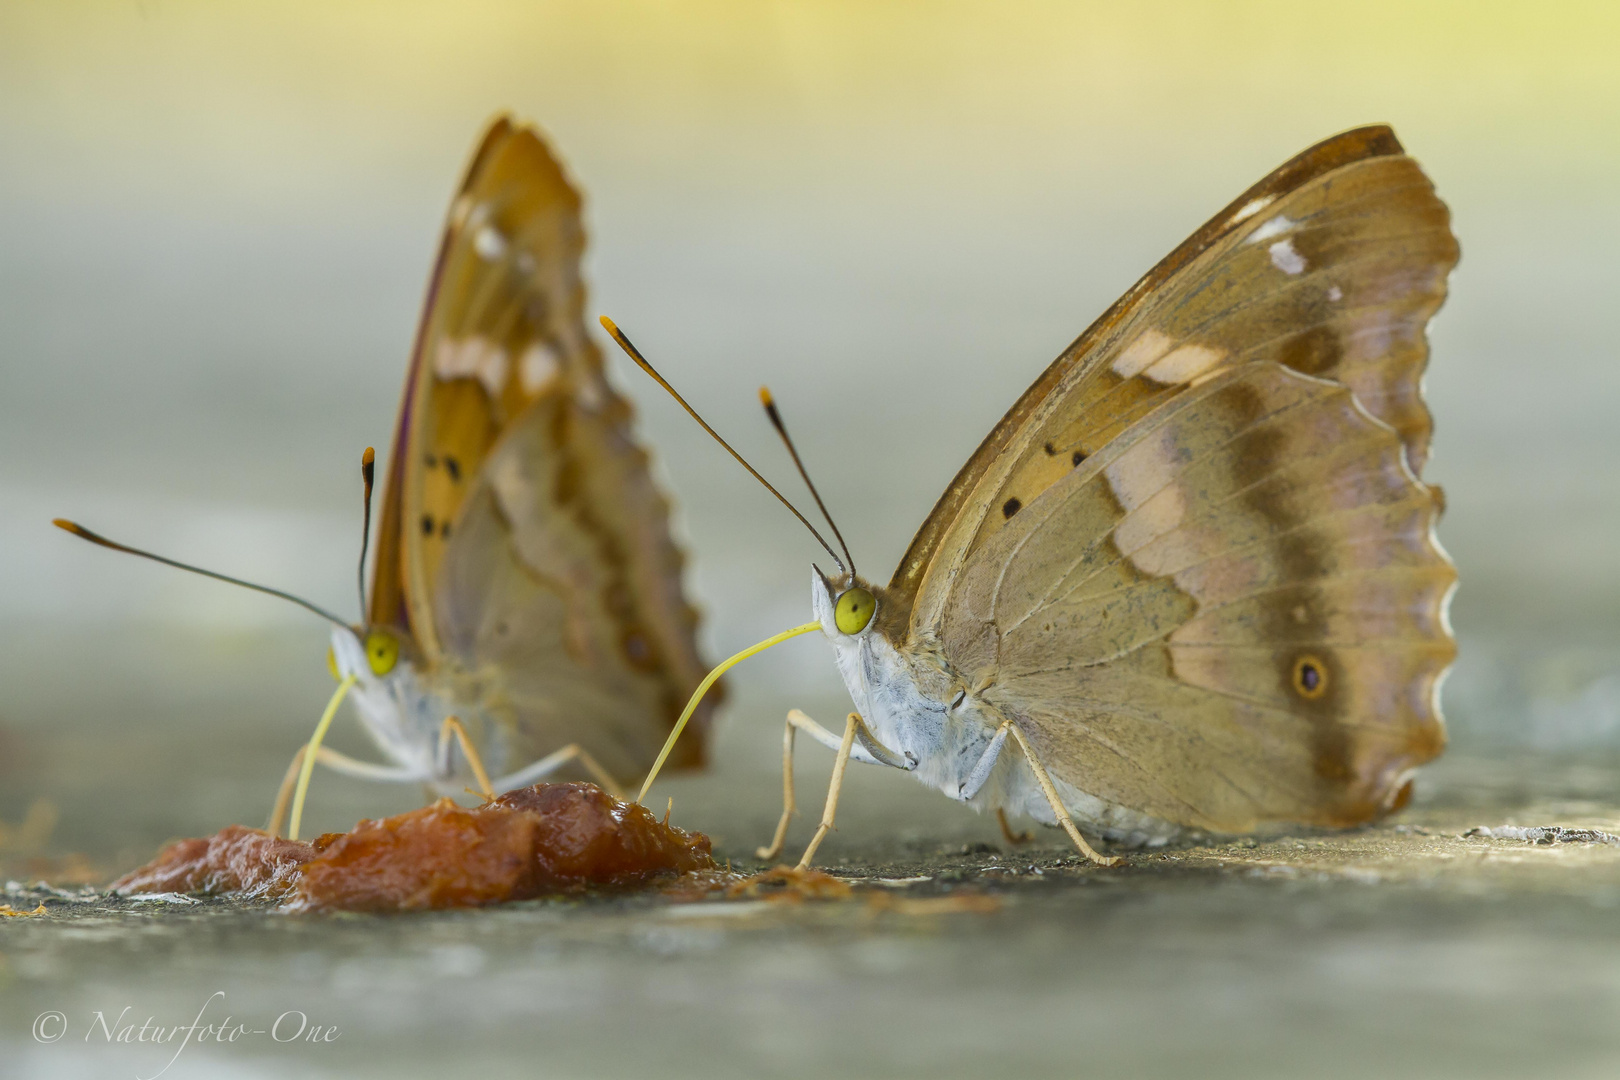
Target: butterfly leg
1013, 838
549, 764
452, 726
788, 808
1052, 799
981, 772
829, 812
867, 750
337, 762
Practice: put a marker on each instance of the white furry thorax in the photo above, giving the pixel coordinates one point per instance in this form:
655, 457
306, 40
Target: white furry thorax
888, 691
913, 704
403, 714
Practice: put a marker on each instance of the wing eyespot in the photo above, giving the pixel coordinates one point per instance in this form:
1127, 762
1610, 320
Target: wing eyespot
1310, 679
1011, 507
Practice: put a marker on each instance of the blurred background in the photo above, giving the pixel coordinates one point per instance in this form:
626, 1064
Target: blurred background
217, 223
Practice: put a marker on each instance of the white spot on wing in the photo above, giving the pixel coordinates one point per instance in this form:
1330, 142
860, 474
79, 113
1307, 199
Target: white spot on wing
475, 357
1335, 293
1286, 259
538, 368
1184, 364
1275, 227
493, 371
1135, 357
1252, 207
489, 243
1158, 516
589, 395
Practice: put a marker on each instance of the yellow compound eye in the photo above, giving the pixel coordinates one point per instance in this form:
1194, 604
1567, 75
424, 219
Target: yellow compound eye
854, 610
331, 665
382, 651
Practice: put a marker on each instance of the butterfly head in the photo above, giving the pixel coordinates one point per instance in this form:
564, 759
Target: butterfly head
371, 655
846, 606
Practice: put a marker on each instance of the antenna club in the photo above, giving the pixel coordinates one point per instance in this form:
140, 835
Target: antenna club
608, 325
369, 458
83, 533
765, 398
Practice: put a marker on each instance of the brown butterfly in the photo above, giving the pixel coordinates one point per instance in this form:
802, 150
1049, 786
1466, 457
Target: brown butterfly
1192, 573
526, 593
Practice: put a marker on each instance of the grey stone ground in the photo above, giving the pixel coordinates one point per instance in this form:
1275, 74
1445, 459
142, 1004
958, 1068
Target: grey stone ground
1410, 949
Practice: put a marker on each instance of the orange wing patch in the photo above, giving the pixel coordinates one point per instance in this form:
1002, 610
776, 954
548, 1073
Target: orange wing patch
501, 330
523, 545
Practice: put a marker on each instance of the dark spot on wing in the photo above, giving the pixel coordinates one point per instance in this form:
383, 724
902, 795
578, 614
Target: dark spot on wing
453, 467
444, 529
1011, 507
1051, 451
430, 461
639, 651
1315, 352
1077, 457
427, 524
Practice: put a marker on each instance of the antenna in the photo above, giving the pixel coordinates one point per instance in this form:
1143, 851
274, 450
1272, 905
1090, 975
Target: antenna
769, 402
368, 469
641, 362
85, 534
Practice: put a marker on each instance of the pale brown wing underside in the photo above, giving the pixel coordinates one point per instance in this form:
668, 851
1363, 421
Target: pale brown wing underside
1332, 265
1172, 529
502, 326
1151, 619
504, 373
559, 600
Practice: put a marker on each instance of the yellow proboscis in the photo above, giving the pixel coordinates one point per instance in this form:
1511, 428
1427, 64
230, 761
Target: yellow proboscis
308, 765
703, 688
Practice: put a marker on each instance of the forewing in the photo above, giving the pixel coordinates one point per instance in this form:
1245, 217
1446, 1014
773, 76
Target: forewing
502, 327
522, 542
1331, 266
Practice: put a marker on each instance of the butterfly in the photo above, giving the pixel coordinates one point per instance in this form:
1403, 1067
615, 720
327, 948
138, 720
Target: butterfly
1190, 582
525, 608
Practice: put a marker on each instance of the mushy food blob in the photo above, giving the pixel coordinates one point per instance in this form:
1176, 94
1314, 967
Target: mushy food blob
533, 841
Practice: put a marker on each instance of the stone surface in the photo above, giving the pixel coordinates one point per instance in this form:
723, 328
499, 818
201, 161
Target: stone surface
1422, 947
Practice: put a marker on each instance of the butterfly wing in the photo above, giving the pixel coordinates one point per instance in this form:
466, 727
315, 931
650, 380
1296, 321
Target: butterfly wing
564, 593
1195, 560
559, 593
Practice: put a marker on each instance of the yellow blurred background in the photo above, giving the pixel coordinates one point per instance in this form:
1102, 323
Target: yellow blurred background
218, 219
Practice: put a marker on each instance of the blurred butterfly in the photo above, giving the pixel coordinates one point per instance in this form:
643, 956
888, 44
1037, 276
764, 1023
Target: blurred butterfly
1190, 581
525, 609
